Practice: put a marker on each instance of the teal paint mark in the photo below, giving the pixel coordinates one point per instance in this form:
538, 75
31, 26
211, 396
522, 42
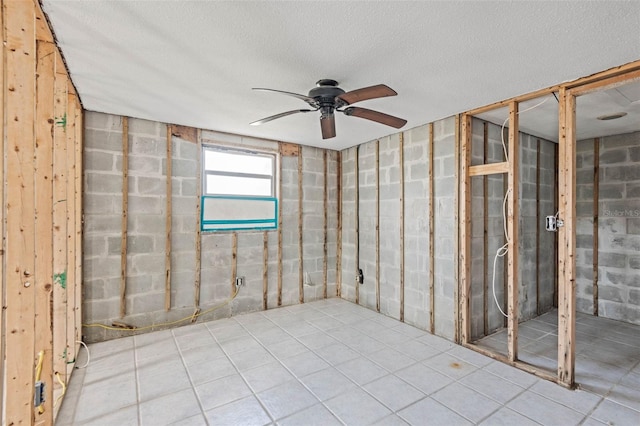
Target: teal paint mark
62, 121
60, 279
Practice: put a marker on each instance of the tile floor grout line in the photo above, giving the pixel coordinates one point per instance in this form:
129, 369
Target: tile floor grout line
135, 368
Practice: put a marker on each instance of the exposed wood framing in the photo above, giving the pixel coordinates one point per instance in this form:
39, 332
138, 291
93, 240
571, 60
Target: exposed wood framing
79, 224
566, 237
556, 207
378, 225
325, 200
432, 222
20, 66
538, 306
71, 227
485, 233
464, 301
596, 215
198, 277
189, 134
2, 199
125, 209
234, 261
512, 230
265, 270
505, 264
488, 169
356, 214
402, 254
300, 234
289, 149
168, 218
44, 221
280, 226
456, 215
339, 227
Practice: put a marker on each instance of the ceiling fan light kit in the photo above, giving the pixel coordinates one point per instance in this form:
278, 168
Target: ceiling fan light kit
328, 98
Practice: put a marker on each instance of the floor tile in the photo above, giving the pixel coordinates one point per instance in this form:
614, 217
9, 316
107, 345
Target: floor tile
578, 400
251, 358
316, 415
316, 340
390, 359
123, 416
511, 374
169, 408
267, 376
492, 386
336, 353
106, 396
392, 420
393, 392
197, 420
436, 413
626, 396
168, 381
424, 378
507, 417
416, 350
357, 408
466, 402
193, 340
286, 348
450, 365
305, 363
286, 399
209, 369
222, 391
543, 410
327, 383
362, 371
246, 411
612, 413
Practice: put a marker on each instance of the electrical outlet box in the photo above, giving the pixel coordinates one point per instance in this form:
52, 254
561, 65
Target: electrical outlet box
38, 395
239, 282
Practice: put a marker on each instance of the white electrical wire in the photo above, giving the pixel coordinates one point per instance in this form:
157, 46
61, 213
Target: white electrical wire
86, 364
503, 250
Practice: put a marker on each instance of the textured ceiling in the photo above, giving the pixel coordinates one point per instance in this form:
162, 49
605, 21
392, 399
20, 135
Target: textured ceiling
194, 63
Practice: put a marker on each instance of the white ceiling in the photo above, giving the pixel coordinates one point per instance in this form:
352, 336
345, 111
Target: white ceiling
194, 62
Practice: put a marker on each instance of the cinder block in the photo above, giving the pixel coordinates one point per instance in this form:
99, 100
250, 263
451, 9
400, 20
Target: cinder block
137, 244
151, 186
145, 205
144, 165
103, 183
101, 224
98, 161
103, 140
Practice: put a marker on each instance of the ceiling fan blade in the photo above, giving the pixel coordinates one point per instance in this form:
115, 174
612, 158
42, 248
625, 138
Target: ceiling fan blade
282, 114
328, 125
371, 92
379, 117
305, 98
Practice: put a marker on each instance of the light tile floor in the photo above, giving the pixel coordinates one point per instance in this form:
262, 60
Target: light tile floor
332, 362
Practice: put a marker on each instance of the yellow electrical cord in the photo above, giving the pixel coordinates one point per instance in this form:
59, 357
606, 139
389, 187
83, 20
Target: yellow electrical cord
64, 389
106, 327
39, 374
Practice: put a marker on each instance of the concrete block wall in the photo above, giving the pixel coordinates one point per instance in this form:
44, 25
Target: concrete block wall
618, 227
348, 281
146, 230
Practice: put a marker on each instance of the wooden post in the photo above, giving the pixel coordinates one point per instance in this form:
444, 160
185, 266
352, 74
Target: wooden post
79, 225
456, 216
20, 279
596, 215
339, 227
71, 227
44, 220
280, 229
125, 209
168, 218
512, 230
432, 222
538, 307
465, 230
324, 224
300, 223
556, 207
566, 237
378, 225
60, 223
234, 261
3, 88
265, 270
401, 161
485, 234
356, 211
198, 259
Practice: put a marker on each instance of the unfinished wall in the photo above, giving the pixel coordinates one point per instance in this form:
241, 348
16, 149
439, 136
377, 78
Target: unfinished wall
40, 219
145, 285
379, 181
614, 291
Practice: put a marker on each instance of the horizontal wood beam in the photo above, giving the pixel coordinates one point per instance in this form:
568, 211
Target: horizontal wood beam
489, 169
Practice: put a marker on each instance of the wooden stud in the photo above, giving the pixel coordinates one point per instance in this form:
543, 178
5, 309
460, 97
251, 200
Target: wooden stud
512, 230
538, 306
432, 222
3, 91
189, 134
485, 233
198, 269
60, 176
168, 219
556, 207
566, 237
71, 228
265, 270
234, 261
464, 300
20, 279
456, 216
325, 224
378, 226
43, 32
596, 196
125, 209
79, 222
280, 228
402, 254
300, 236
44, 220
339, 227
488, 169
356, 213
505, 264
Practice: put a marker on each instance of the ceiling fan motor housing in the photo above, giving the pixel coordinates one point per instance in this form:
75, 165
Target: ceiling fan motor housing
325, 93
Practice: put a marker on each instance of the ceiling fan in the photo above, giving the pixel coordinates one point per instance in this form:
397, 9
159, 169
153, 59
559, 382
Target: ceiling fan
328, 98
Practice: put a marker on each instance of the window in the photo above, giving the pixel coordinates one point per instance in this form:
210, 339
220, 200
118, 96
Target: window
238, 190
